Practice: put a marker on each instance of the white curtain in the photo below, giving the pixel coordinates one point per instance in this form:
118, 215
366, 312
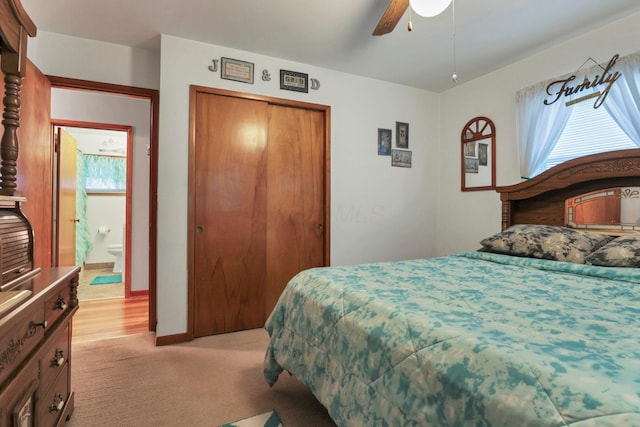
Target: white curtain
623, 101
538, 126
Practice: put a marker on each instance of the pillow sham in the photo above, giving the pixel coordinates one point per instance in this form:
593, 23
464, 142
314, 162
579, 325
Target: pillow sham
545, 242
623, 251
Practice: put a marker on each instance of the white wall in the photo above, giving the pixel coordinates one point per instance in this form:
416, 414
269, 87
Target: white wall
97, 107
106, 210
72, 57
465, 218
378, 212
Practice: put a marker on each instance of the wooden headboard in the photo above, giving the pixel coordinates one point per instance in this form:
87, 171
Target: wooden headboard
541, 200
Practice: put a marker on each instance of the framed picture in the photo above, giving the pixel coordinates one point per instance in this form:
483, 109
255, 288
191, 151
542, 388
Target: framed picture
470, 165
401, 158
483, 150
384, 142
402, 135
470, 149
239, 71
292, 80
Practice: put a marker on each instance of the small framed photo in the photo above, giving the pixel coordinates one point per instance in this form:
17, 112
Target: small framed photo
470, 149
483, 150
401, 158
402, 135
292, 80
470, 165
239, 71
384, 142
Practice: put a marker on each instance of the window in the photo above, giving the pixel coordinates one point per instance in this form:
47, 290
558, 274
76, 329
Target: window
549, 133
105, 174
588, 131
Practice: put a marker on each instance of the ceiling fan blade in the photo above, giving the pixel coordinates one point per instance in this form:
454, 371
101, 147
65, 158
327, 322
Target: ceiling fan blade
391, 16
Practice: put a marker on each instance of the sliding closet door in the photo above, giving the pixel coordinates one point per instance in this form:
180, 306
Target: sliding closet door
230, 213
257, 198
295, 196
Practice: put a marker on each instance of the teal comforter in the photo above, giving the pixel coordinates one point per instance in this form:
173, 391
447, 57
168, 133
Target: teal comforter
472, 339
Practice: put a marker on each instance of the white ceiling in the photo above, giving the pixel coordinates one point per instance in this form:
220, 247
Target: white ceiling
99, 141
336, 34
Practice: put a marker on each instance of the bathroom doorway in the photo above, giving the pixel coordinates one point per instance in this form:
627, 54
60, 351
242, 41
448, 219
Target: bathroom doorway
89, 101
93, 205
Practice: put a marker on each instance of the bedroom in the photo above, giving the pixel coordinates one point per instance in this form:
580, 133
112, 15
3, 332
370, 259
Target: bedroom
391, 206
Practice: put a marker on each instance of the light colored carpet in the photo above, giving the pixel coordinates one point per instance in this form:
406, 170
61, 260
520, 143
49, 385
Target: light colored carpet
127, 381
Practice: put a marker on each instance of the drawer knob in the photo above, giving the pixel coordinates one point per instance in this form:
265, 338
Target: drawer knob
58, 359
57, 404
60, 304
44, 324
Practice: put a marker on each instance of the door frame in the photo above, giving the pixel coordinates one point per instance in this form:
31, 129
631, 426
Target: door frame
191, 225
129, 180
153, 96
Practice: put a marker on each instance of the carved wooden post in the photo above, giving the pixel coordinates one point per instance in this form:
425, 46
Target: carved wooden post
506, 214
11, 122
15, 29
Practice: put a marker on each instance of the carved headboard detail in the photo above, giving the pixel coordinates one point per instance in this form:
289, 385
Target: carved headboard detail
541, 200
15, 29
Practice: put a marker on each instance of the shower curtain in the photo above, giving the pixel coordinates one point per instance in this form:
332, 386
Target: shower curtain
83, 237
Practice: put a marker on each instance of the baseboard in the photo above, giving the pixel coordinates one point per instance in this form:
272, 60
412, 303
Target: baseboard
171, 339
98, 265
144, 292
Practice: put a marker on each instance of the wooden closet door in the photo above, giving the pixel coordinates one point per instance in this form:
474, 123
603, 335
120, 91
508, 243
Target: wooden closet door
295, 196
230, 214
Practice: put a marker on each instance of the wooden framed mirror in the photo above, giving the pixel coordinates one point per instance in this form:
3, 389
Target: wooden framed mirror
478, 150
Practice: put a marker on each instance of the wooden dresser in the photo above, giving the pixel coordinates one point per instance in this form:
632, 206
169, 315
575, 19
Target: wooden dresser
36, 304
35, 350
36, 308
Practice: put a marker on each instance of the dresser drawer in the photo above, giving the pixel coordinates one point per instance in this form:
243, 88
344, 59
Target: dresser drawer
18, 400
52, 403
54, 358
21, 333
57, 304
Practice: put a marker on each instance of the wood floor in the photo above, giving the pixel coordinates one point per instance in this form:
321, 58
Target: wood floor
111, 317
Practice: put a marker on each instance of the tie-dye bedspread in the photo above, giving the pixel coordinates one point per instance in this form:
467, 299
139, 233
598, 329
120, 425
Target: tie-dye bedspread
472, 339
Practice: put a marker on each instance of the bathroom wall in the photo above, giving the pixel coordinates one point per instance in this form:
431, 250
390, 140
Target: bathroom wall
105, 210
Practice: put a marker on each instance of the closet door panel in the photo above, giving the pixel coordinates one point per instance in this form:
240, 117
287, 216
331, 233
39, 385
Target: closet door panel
295, 201
230, 212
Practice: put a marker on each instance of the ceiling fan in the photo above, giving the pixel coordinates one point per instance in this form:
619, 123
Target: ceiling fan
391, 16
396, 9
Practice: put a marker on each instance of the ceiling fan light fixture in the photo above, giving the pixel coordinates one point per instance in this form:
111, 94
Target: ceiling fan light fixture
429, 8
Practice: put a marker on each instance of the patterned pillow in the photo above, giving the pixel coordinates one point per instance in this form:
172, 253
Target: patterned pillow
621, 252
546, 242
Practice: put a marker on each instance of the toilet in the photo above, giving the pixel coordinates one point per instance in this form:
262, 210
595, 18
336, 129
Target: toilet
116, 251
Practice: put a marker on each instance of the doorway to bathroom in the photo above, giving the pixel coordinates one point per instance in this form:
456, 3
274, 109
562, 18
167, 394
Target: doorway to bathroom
94, 170
74, 100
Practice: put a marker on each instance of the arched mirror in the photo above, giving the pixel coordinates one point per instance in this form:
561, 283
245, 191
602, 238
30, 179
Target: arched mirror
613, 209
478, 155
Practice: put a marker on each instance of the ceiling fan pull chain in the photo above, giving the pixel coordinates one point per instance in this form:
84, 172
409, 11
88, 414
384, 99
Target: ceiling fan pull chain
454, 76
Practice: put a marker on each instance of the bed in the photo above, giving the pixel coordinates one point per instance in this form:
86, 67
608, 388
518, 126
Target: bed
539, 328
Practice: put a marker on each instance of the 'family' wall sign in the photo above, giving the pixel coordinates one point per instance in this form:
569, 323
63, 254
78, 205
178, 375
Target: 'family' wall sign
559, 88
